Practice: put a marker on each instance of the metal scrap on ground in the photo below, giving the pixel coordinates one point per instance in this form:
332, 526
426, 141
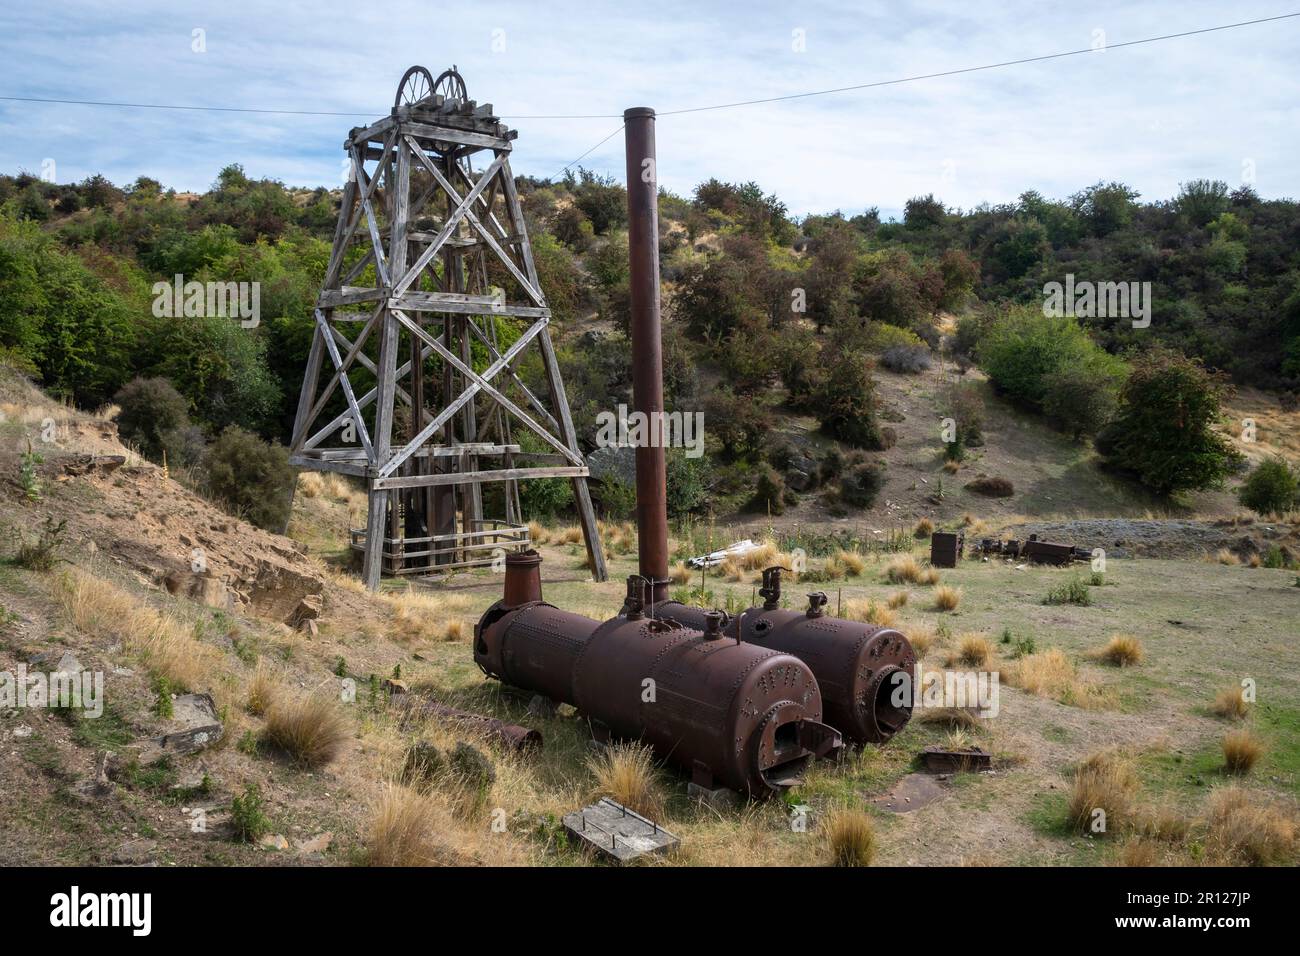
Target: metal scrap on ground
618, 832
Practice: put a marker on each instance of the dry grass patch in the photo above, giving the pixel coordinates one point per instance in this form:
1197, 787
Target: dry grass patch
309, 728
929, 577
1224, 556
1139, 852
164, 643
626, 774
538, 533
404, 830
416, 615
1231, 703
310, 484
924, 528
1102, 797
904, 570
263, 690
870, 611
1051, 674
680, 573
569, 535
850, 837
1122, 650
973, 650
946, 598
953, 718
852, 562
1243, 830
922, 639
896, 600
1241, 751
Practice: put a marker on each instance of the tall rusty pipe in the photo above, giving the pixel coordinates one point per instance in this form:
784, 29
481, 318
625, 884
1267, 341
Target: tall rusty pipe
647, 348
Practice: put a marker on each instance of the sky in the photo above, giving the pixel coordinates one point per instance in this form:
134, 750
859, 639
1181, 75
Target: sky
1223, 105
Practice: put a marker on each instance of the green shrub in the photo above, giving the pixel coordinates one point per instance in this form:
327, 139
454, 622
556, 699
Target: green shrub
860, 486
1073, 592
769, 492
250, 477
1273, 488
154, 417
247, 818
845, 399
688, 482
1163, 431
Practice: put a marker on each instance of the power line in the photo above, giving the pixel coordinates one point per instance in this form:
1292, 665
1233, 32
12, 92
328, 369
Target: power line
592, 150
678, 112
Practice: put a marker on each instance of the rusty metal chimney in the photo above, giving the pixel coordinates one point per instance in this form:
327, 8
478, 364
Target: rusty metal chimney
647, 347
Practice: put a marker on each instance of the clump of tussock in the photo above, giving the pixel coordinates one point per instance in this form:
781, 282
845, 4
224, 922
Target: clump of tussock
263, 690
680, 573
1049, 673
973, 650
946, 598
404, 830
1244, 830
309, 728
1241, 751
869, 611
1139, 852
1103, 793
538, 533
1231, 703
310, 484
924, 528
626, 774
896, 600
929, 577
850, 837
1122, 650
903, 570
921, 639
852, 562
1161, 823
1224, 556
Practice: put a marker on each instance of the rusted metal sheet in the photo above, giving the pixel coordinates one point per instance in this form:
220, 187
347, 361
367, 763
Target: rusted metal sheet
617, 832
732, 713
941, 760
1047, 552
858, 666
946, 548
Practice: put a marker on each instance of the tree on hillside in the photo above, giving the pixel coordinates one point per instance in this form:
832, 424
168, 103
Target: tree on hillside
1163, 431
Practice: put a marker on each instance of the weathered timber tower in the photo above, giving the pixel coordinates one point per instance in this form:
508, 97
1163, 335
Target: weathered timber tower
430, 303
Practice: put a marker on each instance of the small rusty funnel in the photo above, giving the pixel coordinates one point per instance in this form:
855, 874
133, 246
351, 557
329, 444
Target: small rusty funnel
523, 579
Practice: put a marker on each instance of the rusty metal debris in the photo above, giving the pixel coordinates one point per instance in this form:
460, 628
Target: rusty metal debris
946, 548
617, 832
517, 738
1036, 550
941, 760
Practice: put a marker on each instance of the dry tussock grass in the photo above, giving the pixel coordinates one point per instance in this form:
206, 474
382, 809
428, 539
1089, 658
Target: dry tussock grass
416, 615
921, 638
263, 691
162, 641
310, 484
850, 837
924, 528
569, 535
1244, 830
406, 829
1231, 703
929, 577
897, 599
1224, 556
852, 563
1104, 781
946, 598
903, 570
1050, 673
626, 774
953, 718
680, 573
1241, 751
973, 650
869, 611
1139, 852
537, 533
310, 728
1122, 650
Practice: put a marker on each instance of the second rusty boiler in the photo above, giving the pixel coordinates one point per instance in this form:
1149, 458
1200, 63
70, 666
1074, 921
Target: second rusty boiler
733, 714
859, 667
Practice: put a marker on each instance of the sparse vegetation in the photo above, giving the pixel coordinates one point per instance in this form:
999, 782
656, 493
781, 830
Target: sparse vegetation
309, 728
1073, 591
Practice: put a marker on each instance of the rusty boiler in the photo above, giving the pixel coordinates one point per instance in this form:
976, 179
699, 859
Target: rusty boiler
732, 713
858, 666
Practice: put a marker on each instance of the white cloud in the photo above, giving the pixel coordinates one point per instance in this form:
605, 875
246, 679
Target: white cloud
1151, 115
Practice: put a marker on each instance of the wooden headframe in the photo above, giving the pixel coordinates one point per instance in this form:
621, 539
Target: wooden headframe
410, 384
